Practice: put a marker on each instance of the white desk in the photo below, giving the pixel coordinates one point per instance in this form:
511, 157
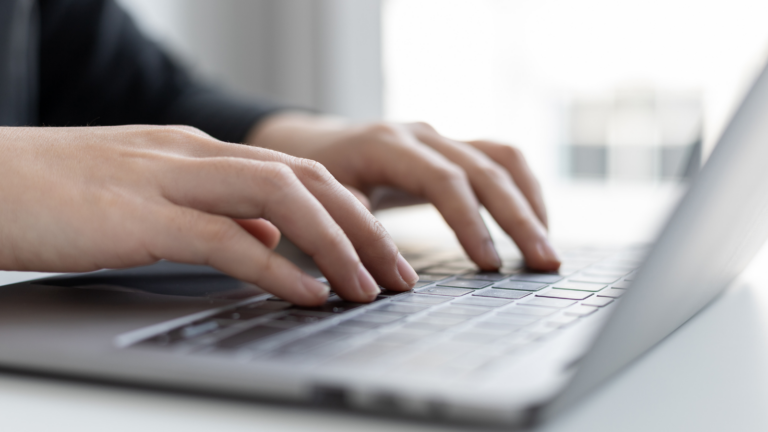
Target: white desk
710, 375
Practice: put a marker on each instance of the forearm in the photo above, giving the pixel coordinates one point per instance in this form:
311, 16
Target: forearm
98, 69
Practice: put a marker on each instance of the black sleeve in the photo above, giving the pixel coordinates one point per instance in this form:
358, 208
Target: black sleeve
96, 68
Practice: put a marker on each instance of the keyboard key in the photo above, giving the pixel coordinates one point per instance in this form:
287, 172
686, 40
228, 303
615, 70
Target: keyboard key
251, 311
581, 310
526, 310
195, 330
522, 286
452, 268
335, 305
378, 317
310, 342
420, 284
461, 310
549, 302
566, 270
482, 301
427, 327
476, 337
402, 308
422, 299
621, 284
461, 283
602, 271
511, 321
594, 278
597, 301
401, 336
303, 317
495, 325
444, 320
485, 276
614, 267
253, 334
432, 277
366, 354
502, 293
612, 293
546, 278
355, 325
579, 286
564, 294
445, 291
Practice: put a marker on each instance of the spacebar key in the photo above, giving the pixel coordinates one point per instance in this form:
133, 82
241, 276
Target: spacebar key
251, 335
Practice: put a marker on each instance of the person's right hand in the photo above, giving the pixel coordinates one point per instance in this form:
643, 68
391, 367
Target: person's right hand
82, 199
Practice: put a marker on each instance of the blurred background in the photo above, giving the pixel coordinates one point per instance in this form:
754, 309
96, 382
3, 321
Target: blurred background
615, 103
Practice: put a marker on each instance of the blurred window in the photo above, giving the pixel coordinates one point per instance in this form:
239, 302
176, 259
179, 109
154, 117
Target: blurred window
589, 89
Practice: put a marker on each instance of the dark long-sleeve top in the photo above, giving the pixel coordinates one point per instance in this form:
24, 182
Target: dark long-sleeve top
84, 62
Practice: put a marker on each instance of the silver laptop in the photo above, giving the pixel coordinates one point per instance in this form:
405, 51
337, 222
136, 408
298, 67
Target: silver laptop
511, 347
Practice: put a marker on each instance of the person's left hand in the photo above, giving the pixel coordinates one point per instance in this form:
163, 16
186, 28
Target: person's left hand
457, 177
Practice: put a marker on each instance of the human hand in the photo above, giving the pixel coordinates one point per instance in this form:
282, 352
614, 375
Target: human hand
82, 199
457, 177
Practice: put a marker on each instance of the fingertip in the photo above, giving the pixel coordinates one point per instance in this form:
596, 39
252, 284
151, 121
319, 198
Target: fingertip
543, 257
490, 256
368, 287
407, 273
316, 292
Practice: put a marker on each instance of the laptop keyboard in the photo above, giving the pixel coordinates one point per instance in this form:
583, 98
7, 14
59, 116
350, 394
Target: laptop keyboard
454, 314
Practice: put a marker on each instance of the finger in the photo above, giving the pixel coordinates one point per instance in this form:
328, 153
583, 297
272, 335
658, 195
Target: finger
402, 162
514, 162
360, 196
375, 247
499, 194
245, 189
186, 235
262, 229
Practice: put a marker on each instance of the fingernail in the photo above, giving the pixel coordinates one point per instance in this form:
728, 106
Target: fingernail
491, 256
406, 271
367, 284
547, 254
314, 287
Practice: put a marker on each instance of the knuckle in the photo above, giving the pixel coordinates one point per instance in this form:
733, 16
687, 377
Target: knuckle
383, 131
333, 236
187, 129
512, 153
452, 174
492, 172
378, 233
423, 127
275, 176
266, 266
175, 133
218, 233
313, 171
210, 230
523, 221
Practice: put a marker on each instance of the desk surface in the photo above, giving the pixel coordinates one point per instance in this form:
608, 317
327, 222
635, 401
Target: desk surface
710, 375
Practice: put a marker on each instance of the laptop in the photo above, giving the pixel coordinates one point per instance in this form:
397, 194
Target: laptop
510, 348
